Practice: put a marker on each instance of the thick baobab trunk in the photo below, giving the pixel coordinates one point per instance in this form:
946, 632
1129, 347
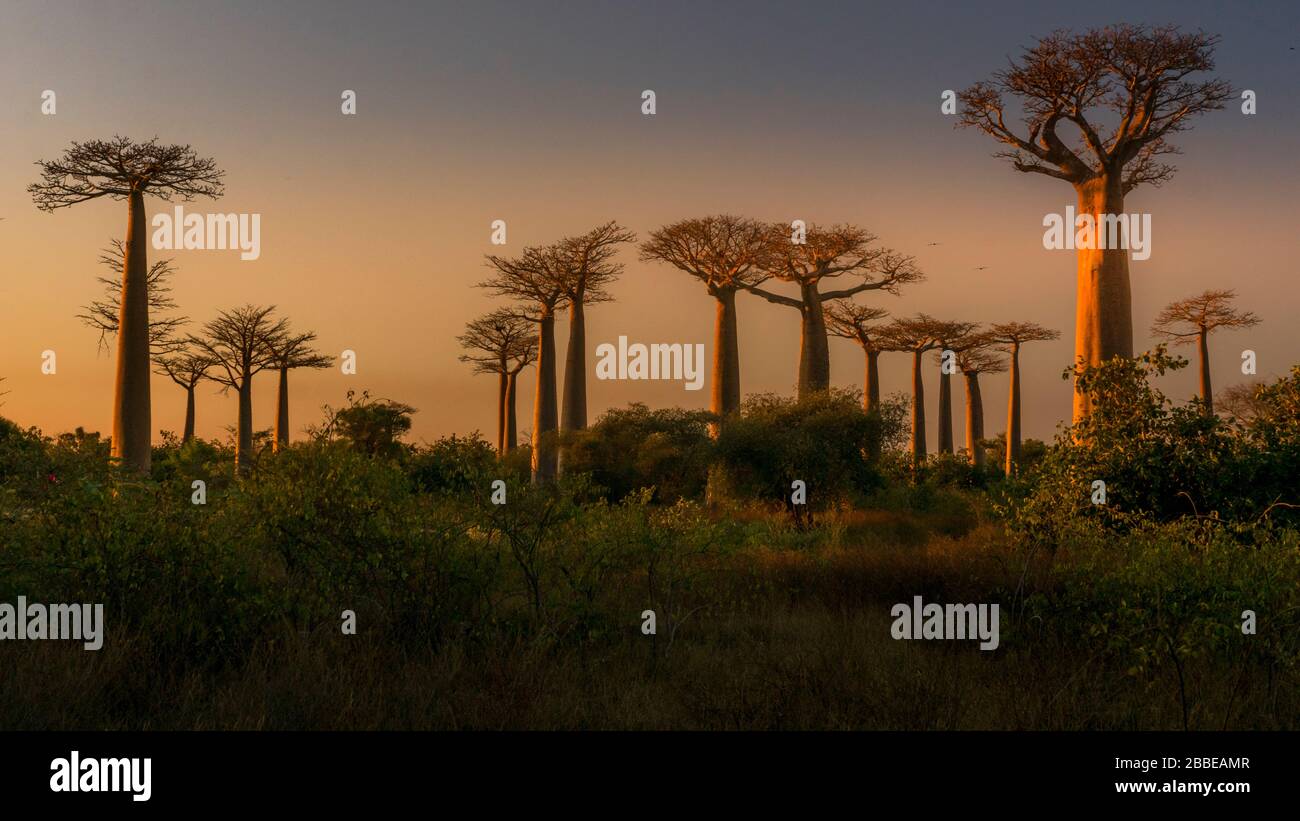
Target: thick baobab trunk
974, 419
1103, 324
511, 436
545, 413
189, 415
1013, 413
725, 386
1207, 393
282, 412
503, 379
871, 384
945, 410
131, 411
918, 411
814, 350
573, 415
244, 434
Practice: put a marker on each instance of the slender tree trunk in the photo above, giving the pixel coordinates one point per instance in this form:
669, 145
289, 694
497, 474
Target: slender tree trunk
725, 386
918, 411
545, 412
1013, 413
1103, 324
871, 384
574, 413
974, 419
1207, 393
814, 350
131, 410
503, 379
511, 436
189, 414
282, 412
945, 409
244, 433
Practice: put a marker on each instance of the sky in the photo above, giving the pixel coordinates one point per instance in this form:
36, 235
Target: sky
374, 226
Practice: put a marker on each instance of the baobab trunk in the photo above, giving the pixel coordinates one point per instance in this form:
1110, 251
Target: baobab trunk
1207, 394
545, 413
725, 397
189, 415
131, 410
282, 412
574, 413
974, 419
871, 401
918, 412
814, 350
945, 411
244, 435
1013, 413
503, 390
1103, 323
511, 436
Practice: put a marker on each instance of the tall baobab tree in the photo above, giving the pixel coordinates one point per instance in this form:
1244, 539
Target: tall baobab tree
533, 278
1141, 76
1195, 318
290, 351
105, 315
851, 320
1013, 335
726, 253
949, 336
122, 168
586, 269
973, 360
825, 254
503, 343
186, 367
241, 342
914, 335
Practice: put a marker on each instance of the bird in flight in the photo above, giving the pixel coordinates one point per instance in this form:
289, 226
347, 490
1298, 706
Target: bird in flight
934, 243
981, 267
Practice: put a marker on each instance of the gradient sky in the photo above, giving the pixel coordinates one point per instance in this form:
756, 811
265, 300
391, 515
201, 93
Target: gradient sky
374, 227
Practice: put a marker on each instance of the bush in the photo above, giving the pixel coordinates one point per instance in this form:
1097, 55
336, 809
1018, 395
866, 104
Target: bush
632, 448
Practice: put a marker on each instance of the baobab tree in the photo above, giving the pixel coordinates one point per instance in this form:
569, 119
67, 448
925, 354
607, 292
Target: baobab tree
502, 343
726, 253
826, 254
104, 315
122, 168
1012, 335
186, 367
291, 351
241, 343
975, 359
585, 270
1195, 318
1141, 76
914, 335
851, 320
949, 336
534, 279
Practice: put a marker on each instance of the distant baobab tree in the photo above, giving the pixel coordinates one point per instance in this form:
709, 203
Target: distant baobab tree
726, 253
974, 359
122, 168
186, 367
104, 315
290, 351
503, 343
585, 271
241, 342
1242, 401
1195, 318
914, 335
949, 336
1013, 335
851, 320
533, 278
826, 254
1140, 75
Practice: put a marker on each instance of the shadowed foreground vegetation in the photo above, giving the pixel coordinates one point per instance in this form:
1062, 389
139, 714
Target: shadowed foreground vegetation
528, 614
